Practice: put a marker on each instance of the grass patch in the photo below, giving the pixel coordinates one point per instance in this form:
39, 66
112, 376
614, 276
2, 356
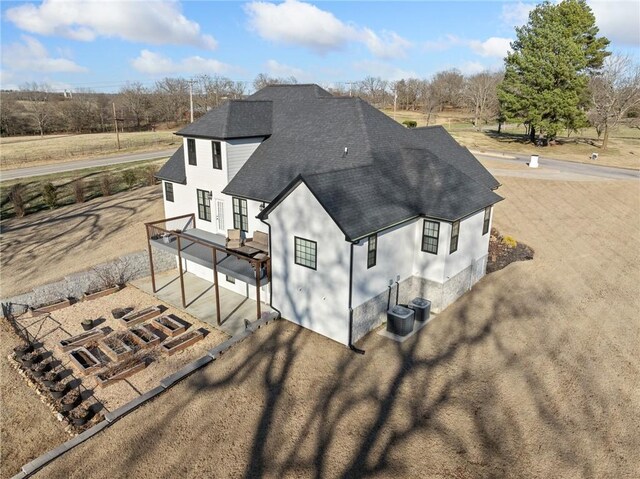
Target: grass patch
94, 182
17, 152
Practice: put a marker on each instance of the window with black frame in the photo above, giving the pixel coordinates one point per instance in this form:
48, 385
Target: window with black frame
306, 252
168, 191
455, 233
372, 250
191, 151
487, 219
216, 152
430, 235
204, 205
240, 215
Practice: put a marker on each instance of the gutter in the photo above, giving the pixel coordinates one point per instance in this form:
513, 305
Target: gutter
271, 281
351, 345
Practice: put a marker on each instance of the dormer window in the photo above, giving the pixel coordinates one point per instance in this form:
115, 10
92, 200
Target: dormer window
191, 151
216, 153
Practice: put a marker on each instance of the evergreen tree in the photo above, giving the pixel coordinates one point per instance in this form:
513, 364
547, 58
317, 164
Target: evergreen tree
547, 74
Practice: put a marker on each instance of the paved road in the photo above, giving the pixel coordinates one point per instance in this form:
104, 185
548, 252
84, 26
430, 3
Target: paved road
557, 169
81, 164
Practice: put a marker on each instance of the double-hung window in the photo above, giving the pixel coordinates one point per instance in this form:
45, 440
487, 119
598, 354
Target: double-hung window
372, 250
455, 233
191, 151
430, 235
204, 205
216, 152
240, 215
306, 252
487, 219
168, 191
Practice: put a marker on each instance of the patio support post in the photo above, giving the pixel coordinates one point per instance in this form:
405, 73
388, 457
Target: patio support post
184, 302
258, 266
153, 275
215, 284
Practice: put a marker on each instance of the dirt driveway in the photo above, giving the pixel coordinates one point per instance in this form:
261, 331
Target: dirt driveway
532, 374
44, 247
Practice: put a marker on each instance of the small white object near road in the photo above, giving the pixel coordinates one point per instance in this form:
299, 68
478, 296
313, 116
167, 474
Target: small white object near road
533, 163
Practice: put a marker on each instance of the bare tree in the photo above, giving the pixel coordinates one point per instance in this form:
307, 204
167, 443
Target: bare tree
615, 90
374, 90
212, 91
135, 98
38, 105
480, 94
447, 86
171, 98
263, 80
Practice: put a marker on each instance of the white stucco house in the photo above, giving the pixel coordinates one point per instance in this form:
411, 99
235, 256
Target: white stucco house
353, 203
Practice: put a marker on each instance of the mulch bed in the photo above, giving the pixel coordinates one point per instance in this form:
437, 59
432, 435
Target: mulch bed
502, 254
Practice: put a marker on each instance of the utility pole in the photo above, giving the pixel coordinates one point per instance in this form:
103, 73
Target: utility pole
395, 100
191, 98
115, 121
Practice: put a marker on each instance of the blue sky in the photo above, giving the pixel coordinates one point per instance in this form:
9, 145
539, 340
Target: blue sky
101, 45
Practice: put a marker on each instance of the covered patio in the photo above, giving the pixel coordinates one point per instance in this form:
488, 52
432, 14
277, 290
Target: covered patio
179, 236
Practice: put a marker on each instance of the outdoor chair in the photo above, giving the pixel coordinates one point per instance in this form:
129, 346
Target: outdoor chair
259, 241
234, 239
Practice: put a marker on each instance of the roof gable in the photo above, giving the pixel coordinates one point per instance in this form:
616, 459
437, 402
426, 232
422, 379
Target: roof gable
234, 119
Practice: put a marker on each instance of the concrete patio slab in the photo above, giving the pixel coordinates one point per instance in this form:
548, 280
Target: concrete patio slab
201, 300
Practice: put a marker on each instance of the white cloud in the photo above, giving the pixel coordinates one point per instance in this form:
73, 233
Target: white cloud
298, 23
471, 68
31, 55
618, 20
492, 47
516, 14
442, 43
156, 64
158, 22
281, 70
383, 70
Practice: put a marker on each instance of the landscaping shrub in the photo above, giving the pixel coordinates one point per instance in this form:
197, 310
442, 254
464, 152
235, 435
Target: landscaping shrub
510, 241
78, 190
16, 197
410, 123
150, 175
49, 195
130, 178
106, 184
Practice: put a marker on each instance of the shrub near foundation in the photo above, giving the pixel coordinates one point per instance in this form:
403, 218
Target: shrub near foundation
49, 195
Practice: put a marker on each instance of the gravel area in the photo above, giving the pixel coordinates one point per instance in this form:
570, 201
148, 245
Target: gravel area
532, 374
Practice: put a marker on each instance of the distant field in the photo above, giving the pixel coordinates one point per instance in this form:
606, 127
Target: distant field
623, 150
16, 152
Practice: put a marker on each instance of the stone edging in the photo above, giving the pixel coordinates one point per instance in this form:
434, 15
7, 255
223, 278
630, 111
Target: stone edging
32, 467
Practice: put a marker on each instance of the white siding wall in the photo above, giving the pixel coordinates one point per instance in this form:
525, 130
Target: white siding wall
472, 245
238, 152
427, 265
318, 299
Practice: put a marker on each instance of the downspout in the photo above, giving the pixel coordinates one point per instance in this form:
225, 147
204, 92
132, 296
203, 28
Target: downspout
271, 282
351, 346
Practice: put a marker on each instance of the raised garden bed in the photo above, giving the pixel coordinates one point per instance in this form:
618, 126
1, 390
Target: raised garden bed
144, 336
94, 294
181, 342
75, 341
120, 372
49, 307
84, 361
136, 317
169, 326
114, 347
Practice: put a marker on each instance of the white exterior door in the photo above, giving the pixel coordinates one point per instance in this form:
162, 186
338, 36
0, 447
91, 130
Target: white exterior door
220, 216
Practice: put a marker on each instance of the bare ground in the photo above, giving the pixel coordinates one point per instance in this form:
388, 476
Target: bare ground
532, 374
46, 246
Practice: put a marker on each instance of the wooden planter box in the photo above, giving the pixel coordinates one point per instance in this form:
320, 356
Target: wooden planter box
144, 336
104, 381
80, 339
169, 326
88, 296
84, 361
136, 317
172, 346
115, 348
47, 308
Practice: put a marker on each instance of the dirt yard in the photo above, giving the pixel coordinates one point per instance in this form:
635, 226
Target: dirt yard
532, 374
46, 246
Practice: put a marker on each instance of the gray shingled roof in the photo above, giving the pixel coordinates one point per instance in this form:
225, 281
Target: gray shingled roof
173, 170
367, 170
233, 119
